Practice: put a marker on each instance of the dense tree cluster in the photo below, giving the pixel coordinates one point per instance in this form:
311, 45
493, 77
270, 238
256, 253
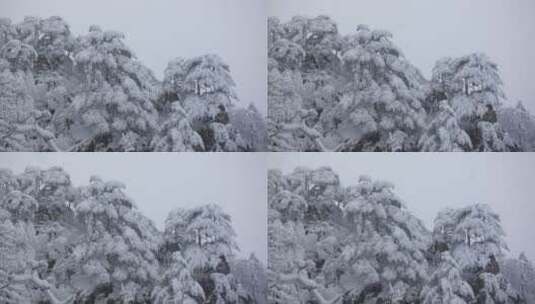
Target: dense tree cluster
357, 92
60, 92
65, 244
360, 244
521, 273
519, 123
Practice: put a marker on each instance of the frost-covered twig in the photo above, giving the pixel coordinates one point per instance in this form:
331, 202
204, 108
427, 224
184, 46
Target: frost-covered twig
75, 147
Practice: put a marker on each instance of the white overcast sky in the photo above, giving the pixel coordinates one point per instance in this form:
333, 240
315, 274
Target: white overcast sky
429, 182
429, 30
160, 182
160, 30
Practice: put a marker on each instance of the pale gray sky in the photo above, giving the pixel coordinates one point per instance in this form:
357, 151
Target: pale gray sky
429, 30
429, 182
160, 30
160, 182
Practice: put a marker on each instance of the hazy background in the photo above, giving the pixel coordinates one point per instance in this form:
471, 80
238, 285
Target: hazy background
429, 182
160, 182
160, 30
429, 30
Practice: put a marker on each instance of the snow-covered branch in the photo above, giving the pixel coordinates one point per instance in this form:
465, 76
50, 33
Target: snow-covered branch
47, 136
43, 285
305, 283
314, 135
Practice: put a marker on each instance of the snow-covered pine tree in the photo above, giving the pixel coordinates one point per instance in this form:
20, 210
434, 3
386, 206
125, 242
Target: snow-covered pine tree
298, 88
227, 289
320, 188
472, 234
318, 256
90, 93
250, 124
287, 128
204, 234
378, 251
17, 255
119, 246
252, 276
387, 244
205, 90
519, 124
18, 114
289, 122
473, 87
52, 40
287, 54
175, 133
57, 231
205, 237
285, 241
475, 238
446, 285
113, 111
21, 265
355, 92
328, 91
48, 72
60, 243
443, 133
383, 97
17, 211
520, 272
495, 289
321, 43
53, 73
177, 285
